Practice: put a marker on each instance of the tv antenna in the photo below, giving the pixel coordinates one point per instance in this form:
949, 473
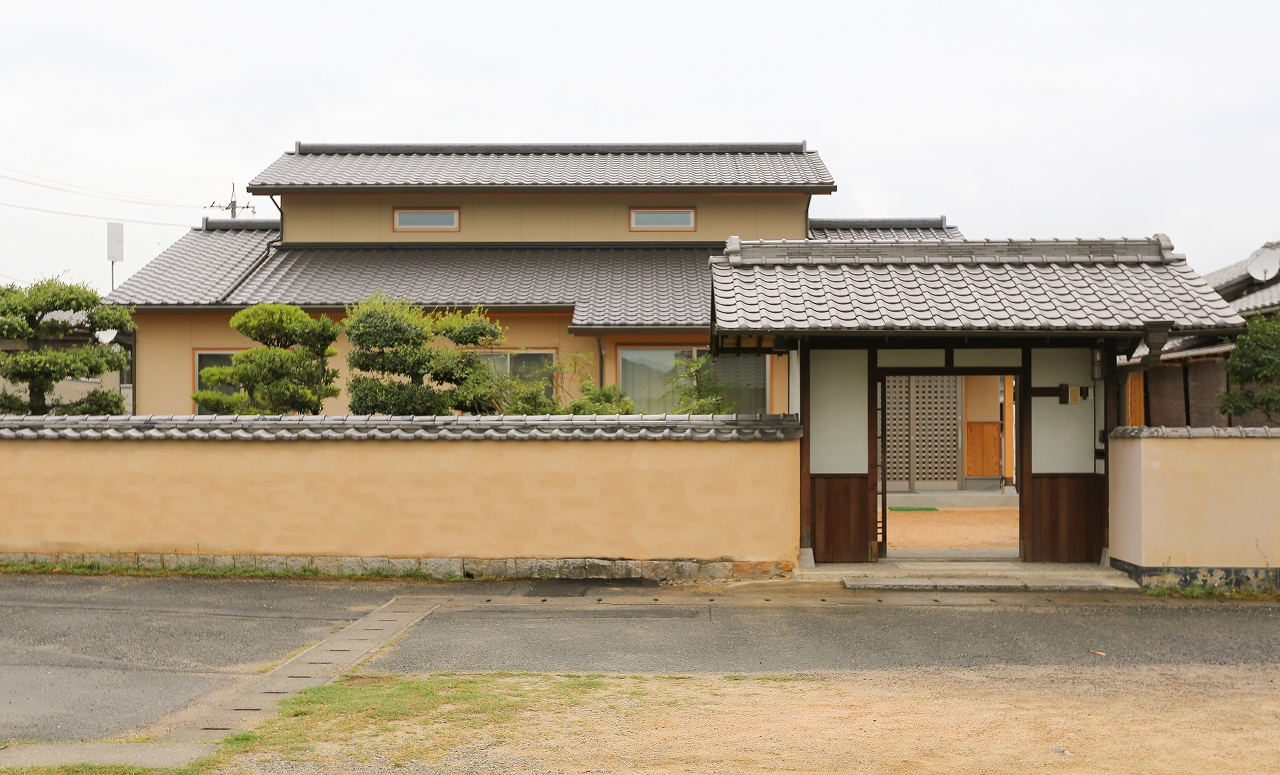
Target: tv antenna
1264, 263
232, 206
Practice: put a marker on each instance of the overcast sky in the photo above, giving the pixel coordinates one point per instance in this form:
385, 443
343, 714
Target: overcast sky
1012, 119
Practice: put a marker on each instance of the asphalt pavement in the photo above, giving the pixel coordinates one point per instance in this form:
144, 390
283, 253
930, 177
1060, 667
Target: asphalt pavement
85, 658
90, 657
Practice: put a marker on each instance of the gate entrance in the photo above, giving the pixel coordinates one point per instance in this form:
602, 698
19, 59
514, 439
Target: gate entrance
946, 484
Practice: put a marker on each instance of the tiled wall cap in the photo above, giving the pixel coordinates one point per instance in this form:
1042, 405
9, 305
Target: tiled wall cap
1186, 432
381, 428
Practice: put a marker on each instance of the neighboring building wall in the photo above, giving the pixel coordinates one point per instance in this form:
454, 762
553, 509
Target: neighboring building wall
1176, 504
1166, 395
542, 217
69, 390
640, 500
1206, 382
1186, 393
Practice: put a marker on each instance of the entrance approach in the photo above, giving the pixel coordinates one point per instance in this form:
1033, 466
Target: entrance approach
946, 477
865, 320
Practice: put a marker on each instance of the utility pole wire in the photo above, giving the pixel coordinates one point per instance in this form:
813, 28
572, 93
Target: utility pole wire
126, 199
94, 217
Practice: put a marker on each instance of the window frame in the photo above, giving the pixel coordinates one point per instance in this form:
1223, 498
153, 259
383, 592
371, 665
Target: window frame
554, 352
196, 352
698, 351
631, 219
395, 220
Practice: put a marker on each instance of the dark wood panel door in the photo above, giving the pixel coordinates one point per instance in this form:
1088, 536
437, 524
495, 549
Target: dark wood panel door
841, 522
1065, 517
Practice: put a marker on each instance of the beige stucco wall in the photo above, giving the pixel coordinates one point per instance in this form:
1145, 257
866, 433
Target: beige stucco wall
167, 344
1207, 502
484, 499
543, 217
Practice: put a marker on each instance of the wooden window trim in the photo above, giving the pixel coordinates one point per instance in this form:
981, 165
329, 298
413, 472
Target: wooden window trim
196, 352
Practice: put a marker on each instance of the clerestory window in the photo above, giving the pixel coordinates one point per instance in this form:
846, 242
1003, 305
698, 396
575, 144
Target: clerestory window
664, 219
433, 219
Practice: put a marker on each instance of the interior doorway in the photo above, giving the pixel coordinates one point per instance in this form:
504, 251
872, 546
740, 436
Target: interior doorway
947, 484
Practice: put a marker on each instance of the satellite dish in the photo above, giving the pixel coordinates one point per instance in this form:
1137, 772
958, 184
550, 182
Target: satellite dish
1263, 265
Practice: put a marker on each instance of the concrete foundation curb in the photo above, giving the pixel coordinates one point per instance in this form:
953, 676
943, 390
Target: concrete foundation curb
445, 568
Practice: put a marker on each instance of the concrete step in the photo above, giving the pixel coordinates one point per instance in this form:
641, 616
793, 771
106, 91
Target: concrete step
969, 575
989, 583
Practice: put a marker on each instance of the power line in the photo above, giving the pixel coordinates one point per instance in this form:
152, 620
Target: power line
64, 235
62, 153
96, 194
94, 217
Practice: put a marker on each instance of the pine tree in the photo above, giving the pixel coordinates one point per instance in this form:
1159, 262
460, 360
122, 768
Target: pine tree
47, 316
289, 373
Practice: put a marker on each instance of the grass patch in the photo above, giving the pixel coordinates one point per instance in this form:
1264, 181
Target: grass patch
912, 508
393, 720
1212, 593
415, 718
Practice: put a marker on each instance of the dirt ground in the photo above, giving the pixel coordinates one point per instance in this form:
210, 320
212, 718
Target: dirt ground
954, 529
1001, 720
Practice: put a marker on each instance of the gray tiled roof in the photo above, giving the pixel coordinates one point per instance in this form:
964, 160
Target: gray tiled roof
1264, 301
884, 229
647, 427
1235, 275
201, 266
1018, 285
380, 167
605, 286
642, 286
1227, 274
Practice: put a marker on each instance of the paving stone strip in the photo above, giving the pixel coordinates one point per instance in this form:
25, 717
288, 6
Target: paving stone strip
128, 754
324, 662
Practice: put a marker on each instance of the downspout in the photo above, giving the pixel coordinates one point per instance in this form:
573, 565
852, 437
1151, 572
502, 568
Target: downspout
1157, 335
600, 360
257, 263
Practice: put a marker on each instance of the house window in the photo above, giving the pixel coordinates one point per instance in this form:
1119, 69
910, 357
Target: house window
645, 372
664, 219
436, 219
204, 361
526, 365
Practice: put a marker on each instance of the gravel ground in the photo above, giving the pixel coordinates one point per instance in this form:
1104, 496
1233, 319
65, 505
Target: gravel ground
953, 529
995, 720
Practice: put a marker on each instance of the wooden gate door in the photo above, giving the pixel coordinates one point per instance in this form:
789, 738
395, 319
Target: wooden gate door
840, 521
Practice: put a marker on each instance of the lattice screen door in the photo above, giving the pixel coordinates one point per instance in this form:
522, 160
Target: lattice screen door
922, 424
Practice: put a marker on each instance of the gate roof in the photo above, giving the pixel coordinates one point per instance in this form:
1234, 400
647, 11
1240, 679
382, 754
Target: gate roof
961, 285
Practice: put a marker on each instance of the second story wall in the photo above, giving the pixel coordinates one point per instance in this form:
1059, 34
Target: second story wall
542, 217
